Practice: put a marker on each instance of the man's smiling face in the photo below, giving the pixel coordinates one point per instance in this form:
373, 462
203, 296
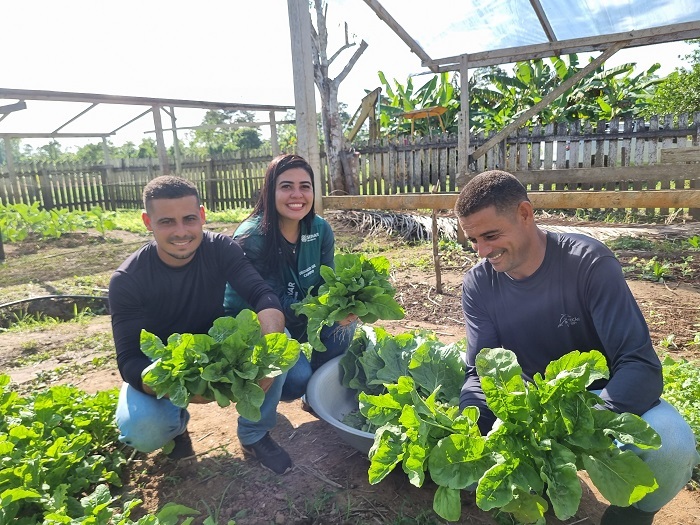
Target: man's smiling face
504, 239
177, 228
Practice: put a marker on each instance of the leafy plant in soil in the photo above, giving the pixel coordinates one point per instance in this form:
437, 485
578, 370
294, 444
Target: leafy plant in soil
55, 445
547, 430
224, 365
359, 285
682, 390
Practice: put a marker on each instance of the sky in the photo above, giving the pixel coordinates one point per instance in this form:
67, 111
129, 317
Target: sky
215, 50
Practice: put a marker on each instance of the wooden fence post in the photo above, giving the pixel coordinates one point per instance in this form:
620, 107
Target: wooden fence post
107, 178
212, 194
693, 183
11, 170
45, 184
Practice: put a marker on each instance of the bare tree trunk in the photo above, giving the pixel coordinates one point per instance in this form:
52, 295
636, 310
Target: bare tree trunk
328, 89
332, 135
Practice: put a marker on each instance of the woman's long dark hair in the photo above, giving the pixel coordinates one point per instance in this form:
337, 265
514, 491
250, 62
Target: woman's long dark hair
266, 209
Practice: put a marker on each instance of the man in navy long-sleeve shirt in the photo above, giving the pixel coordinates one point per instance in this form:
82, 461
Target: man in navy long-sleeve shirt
543, 295
176, 284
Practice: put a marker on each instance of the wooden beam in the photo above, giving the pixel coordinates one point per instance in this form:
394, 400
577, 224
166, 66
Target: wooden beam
544, 21
366, 110
233, 125
63, 96
130, 121
604, 175
616, 199
642, 37
304, 94
108, 180
463, 123
385, 17
274, 143
176, 142
680, 155
54, 135
160, 141
59, 128
540, 200
10, 160
9, 108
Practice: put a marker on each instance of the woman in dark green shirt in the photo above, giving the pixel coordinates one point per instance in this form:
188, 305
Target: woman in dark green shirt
287, 243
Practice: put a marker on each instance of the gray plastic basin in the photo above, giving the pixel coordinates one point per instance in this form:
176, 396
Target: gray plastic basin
332, 402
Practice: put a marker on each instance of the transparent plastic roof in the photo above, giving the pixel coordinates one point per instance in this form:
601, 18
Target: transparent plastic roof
446, 28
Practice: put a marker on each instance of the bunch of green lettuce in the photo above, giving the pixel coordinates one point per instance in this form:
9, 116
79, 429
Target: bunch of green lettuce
548, 430
359, 285
376, 358
224, 365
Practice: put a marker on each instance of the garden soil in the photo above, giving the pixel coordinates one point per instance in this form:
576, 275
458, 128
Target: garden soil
328, 484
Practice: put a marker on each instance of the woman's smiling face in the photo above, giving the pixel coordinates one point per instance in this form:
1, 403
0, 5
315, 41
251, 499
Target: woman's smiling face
294, 194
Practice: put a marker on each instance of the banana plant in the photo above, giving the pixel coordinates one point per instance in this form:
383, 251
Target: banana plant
440, 90
498, 97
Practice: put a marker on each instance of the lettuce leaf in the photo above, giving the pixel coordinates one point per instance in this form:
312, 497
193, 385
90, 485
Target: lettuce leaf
223, 365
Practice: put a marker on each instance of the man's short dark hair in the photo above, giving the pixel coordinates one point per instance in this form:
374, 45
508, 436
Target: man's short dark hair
168, 187
490, 188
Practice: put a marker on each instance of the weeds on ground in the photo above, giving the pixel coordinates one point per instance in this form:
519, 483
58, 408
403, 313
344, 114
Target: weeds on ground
629, 243
682, 390
233, 216
26, 321
617, 216
39, 321
633, 243
655, 270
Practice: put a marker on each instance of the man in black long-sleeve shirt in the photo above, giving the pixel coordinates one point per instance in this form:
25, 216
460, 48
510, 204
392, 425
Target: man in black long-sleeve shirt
176, 284
542, 295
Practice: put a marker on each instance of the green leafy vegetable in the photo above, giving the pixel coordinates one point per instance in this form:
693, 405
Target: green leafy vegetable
55, 446
376, 358
359, 285
547, 431
224, 365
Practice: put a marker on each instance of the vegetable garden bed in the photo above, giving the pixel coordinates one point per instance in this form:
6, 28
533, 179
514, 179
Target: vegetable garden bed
330, 481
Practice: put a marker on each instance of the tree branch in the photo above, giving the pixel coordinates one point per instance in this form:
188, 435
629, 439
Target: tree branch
351, 63
335, 55
315, 50
322, 32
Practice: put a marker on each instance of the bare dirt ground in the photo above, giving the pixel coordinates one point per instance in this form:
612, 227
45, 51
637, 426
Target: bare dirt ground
328, 484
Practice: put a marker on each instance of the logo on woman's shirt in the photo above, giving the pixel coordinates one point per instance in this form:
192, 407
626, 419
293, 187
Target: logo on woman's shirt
308, 237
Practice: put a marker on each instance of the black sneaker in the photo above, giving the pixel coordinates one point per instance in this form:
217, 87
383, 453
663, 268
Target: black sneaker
269, 454
183, 447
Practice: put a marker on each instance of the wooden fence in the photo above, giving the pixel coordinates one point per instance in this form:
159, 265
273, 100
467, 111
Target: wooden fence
618, 155
226, 182
623, 154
